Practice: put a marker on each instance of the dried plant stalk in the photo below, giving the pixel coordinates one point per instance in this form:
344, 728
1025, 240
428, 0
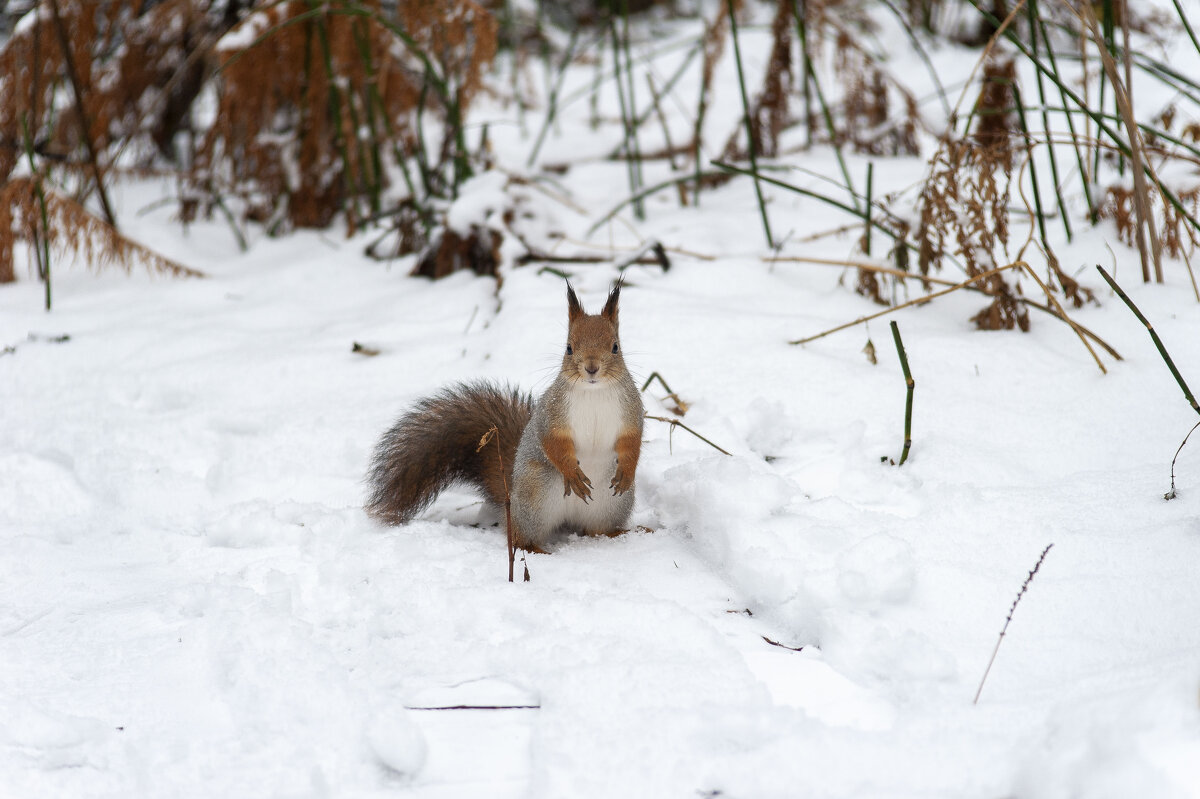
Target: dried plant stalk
494, 433
919, 301
767, 115
964, 202
870, 124
713, 45
676, 423
1145, 223
1008, 620
1162, 350
910, 385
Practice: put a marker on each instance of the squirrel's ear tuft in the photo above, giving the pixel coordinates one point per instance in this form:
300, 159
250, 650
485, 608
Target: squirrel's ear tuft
610, 307
574, 307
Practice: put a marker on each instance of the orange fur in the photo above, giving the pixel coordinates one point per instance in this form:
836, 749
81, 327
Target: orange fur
559, 447
628, 448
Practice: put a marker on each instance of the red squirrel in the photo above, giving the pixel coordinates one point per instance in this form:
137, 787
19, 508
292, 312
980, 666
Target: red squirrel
569, 460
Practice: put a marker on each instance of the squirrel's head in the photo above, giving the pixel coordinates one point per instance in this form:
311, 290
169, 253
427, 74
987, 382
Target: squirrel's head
593, 356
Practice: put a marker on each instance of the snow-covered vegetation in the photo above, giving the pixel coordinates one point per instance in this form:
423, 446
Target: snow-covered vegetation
193, 602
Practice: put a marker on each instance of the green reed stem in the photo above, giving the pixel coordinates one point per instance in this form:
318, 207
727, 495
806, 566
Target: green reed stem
751, 147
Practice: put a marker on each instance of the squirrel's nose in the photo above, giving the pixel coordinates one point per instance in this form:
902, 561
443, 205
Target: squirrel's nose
592, 368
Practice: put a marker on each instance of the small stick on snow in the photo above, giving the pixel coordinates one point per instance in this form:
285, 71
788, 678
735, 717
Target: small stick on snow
676, 423
783, 646
1007, 621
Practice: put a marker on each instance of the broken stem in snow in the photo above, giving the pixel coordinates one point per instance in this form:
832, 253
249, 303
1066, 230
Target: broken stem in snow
908, 402
1187, 392
681, 407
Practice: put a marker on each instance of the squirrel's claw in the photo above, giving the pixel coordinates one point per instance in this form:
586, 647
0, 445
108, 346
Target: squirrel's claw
620, 483
579, 484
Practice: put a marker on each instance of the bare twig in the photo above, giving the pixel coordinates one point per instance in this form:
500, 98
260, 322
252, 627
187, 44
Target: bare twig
662, 121
1047, 309
783, 646
850, 263
1162, 350
1007, 621
1171, 494
676, 423
918, 301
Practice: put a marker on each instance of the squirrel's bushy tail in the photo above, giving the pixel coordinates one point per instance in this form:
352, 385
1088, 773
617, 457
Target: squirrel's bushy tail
435, 444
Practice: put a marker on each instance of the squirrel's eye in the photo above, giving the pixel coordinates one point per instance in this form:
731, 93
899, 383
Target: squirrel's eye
569, 350
614, 348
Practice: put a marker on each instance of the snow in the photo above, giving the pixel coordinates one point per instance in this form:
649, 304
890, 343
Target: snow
250, 29
193, 604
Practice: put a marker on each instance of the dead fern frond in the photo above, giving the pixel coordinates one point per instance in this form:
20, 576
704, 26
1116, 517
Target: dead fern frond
996, 125
316, 100
965, 200
32, 65
1178, 236
869, 122
868, 285
1071, 289
136, 66
963, 207
450, 251
148, 90
71, 231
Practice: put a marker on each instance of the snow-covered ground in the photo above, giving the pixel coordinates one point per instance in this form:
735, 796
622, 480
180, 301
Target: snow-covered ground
193, 604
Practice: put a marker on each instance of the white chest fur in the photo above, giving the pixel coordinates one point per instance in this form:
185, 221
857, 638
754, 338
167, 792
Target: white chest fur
594, 415
595, 419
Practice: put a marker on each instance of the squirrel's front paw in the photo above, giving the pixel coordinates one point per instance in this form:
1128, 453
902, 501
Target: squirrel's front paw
577, 484
622, 481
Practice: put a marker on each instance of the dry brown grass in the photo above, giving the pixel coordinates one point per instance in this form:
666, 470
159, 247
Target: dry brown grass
309, 102
69, 230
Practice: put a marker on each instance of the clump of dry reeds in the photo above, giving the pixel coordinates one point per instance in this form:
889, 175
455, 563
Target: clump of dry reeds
315, 100
964, 203
83, 85
317, 105
135, 69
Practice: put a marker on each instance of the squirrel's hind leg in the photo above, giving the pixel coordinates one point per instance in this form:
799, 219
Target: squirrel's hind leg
536, 514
